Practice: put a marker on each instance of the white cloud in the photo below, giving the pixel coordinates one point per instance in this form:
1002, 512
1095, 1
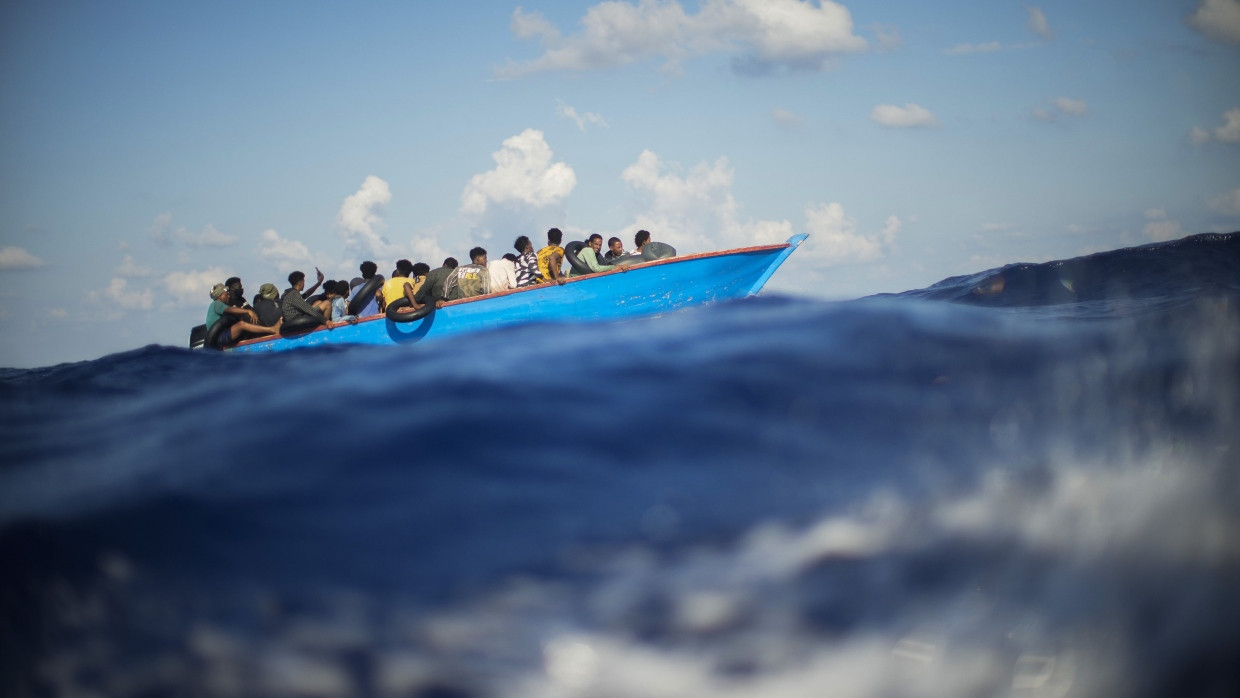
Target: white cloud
118, 296
1159, 228
281, 253
358, 221
1217, 19
758, 34
1038, 23
570, 113
1228, 132
836, 238
190, 289
524, 175
787, 119
965, 49
908, 116
1227, 204
163, 232
697, 212
58, 313
18, 258
132, 269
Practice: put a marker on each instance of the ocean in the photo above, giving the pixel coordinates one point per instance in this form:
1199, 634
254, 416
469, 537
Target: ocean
1018, 483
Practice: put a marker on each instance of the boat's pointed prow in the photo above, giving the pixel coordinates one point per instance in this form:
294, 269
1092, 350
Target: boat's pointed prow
793, 243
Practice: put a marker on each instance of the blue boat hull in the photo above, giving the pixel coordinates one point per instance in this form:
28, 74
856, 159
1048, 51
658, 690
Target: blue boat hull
645, 289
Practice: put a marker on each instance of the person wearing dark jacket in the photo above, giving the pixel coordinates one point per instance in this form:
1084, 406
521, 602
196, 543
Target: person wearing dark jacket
293, 305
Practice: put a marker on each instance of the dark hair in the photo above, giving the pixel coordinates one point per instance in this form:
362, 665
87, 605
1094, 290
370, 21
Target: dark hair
421, 269
233, 281
510, 257
295, 277
451, 263
368, 269
342, 288
329, 286
642, 237
521, 243
594, 237
475, 253
554, 236
612, 241
404, 266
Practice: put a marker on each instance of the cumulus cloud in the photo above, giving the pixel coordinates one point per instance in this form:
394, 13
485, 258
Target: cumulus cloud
1038, 23
908, 116
1228, 132
1228, 204
130, 268
1159, 228
359, 221
757, 34
786, 119
119, 296
569, 112
524, 176
163, 232
191, 289
280, 252
697, 211
1218, 20
18, 258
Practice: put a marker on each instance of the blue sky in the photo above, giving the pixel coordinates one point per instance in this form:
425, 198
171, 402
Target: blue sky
151, 149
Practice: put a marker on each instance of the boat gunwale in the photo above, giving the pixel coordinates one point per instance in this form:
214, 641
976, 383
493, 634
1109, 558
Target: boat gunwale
509, 291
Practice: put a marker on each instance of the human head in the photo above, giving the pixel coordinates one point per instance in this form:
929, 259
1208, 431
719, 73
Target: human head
368, 269
451, 263
554, 236
218, 293
404, 267
329, 288
478, 255
511, 257
641, 238
421, 269
523, 245
615, 245
269, 291
595, 241
236, 292
297, 280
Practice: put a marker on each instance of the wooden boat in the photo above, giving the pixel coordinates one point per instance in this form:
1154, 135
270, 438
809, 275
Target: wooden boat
648, 288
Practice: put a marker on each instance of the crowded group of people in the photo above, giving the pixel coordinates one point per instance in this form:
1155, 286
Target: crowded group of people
410, 288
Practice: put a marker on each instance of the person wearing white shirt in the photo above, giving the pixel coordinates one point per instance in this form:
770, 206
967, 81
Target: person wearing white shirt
503, 273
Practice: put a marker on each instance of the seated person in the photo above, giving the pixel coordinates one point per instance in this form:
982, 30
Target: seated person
267, 305
639, 241
236, 292
369, 271
247, 321
338, 294
527, 263
432, 290
551, 258
401, 285
615, 249
503, 273
293, 305
589, 256
469, 280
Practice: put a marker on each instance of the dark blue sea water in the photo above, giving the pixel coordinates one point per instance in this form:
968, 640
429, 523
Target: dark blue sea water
1020, 483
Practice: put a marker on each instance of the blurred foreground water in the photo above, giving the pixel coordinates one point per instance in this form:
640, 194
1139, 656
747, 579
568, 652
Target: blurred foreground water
1021, 483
